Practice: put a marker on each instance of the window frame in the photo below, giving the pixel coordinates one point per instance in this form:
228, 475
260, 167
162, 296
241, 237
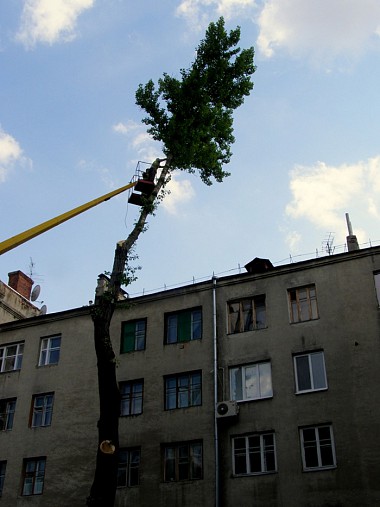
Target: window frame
47, 351
135, 335
318, 447
132, 397
179, 462
264, 450
7, 414
311, 372
192, 390
244, 325
43, 412
5, 356
126, 468
243, 381
176, 323
38, 473
3, 471
376, 281
298, 304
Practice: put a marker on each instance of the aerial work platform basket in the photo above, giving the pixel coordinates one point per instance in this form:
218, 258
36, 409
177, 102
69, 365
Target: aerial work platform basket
145, 183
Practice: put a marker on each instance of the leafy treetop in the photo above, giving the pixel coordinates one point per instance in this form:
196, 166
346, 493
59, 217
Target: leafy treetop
192, 116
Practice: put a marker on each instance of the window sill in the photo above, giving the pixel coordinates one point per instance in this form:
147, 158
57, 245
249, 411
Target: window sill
303, 321
310, 391
250, 400
255, 474
320, 469
249, 331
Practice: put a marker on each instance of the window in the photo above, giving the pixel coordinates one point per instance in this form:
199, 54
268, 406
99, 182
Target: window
377, 286
303, 304
133, 335
183, 461
310, 372
317, 446
50, 350
7, 413
183, 326
3, 466
34, 473
246, 315
183, 390
11, 357
42, 410
254, 454
131, 397
251, 382
128, 472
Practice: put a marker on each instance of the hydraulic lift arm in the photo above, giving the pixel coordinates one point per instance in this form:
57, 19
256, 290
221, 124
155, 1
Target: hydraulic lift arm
21, 238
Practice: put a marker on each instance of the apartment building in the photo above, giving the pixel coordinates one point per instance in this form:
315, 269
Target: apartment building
255, 389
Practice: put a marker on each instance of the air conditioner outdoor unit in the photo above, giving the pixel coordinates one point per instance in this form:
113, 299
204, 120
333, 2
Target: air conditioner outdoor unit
227, 409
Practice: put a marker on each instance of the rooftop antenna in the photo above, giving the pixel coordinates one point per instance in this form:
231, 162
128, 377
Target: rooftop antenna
328, 244
352, 242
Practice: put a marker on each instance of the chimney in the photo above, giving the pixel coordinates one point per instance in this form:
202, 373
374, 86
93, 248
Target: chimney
21, 283
352, 242
258, 266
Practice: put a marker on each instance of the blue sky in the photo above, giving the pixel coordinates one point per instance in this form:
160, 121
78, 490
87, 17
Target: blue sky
307, 139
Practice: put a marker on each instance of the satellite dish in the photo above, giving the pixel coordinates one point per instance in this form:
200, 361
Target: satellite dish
43, 310
35, 293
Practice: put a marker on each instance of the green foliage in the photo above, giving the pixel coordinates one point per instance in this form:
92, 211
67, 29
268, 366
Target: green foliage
192, 116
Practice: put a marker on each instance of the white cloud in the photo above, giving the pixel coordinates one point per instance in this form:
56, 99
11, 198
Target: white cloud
322, 195
126, 128
321, 30
198, 13
10, 152
50, 21
181, 191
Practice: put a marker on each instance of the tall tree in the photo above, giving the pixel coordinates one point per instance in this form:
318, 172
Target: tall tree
193, 119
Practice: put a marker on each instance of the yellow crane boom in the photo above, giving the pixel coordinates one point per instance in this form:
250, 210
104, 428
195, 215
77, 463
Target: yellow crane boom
21, 238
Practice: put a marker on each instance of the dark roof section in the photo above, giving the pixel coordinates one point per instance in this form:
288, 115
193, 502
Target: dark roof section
259, 266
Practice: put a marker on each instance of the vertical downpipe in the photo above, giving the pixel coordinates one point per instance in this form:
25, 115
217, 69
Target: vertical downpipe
216, 436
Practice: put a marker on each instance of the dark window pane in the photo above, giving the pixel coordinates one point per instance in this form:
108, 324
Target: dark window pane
318, 368
303, 373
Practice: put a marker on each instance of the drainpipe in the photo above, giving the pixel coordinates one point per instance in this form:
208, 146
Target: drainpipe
216, 436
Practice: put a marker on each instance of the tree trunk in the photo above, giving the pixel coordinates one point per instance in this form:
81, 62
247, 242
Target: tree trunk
103, 489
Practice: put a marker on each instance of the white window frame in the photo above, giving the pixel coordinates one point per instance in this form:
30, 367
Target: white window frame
310, 355
318, 445
33, 476
45, 410
47, 349
242, 371
7, 415
5, 356
263, 454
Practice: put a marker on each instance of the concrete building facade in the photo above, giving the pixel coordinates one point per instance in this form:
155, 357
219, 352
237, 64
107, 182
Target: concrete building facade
256, 389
